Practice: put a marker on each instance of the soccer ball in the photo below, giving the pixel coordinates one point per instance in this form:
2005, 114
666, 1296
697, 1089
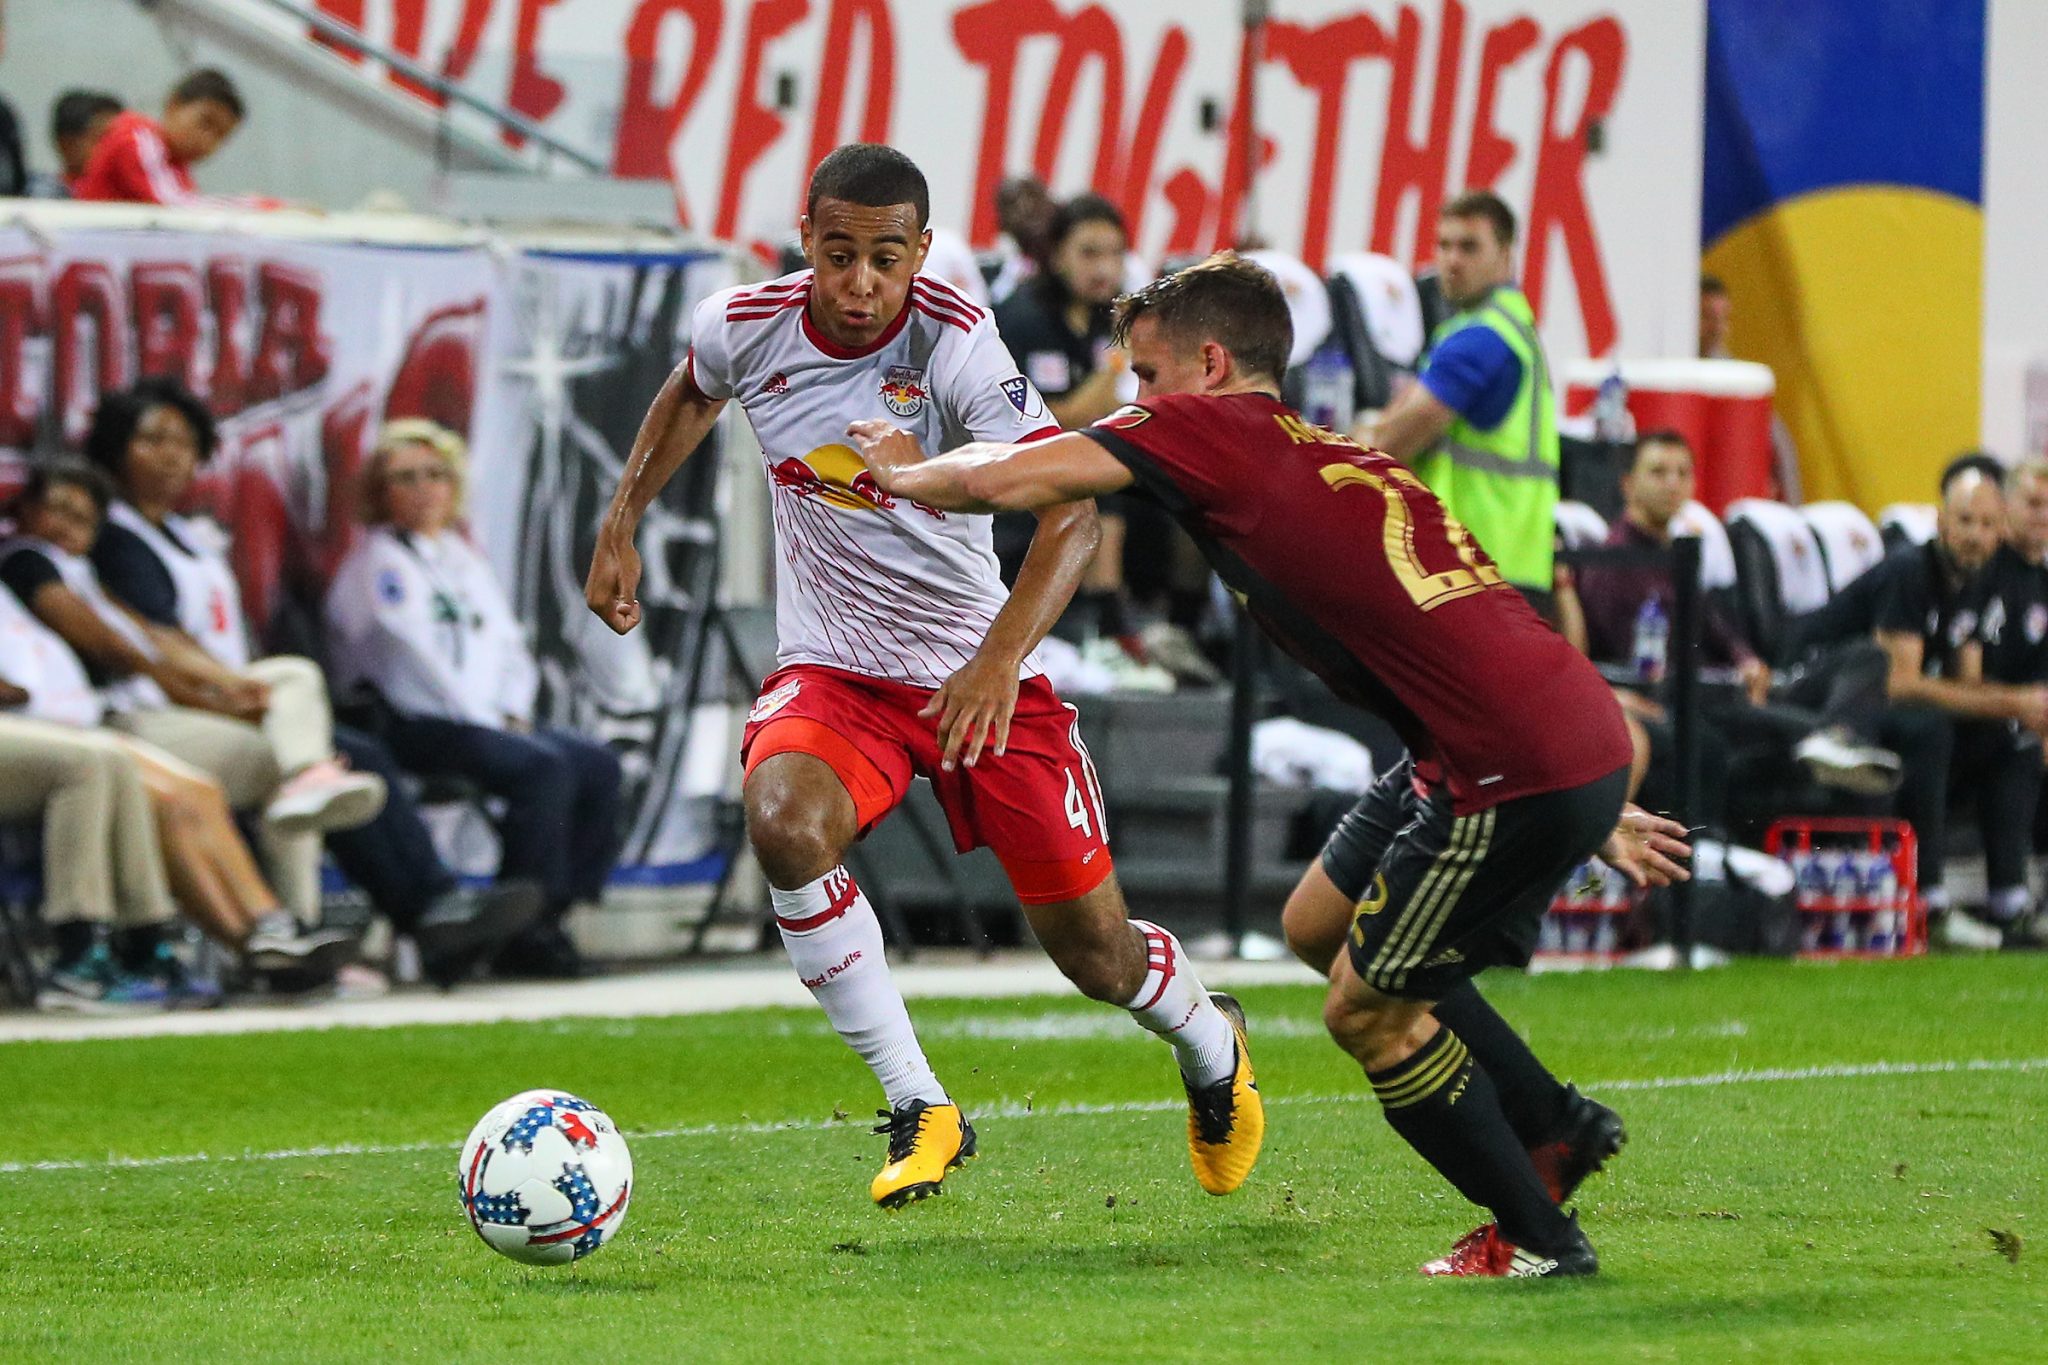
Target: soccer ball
545, 1178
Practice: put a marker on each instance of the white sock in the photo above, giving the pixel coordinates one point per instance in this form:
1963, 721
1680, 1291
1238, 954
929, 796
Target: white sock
1172, 1004
835, 944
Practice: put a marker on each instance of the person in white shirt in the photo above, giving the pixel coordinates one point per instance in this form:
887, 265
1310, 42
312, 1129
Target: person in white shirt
418, 621
900, 654
212, 876
172, 570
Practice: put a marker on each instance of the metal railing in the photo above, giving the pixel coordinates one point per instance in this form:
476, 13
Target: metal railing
332, 30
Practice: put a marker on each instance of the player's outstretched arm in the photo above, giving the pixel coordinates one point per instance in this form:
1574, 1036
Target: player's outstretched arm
675, 425
1647, 849
987, 476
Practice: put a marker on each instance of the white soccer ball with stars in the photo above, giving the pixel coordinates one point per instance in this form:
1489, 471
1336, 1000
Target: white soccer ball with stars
546, 1178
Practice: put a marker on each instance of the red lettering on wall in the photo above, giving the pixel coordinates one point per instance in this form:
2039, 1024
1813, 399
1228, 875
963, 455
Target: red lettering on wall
846, 18
408, 27
1138, 167
1321, 59
291, 353
1559, 199
531, 91
988, 36
90, 358
168, 303
755, 126
21, 315
647, 129
469, 36
349, 12
1406, 165
1492, 151
1090, 36
227, 289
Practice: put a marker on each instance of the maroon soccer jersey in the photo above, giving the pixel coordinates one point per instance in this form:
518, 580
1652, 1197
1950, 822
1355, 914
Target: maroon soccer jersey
1354, 568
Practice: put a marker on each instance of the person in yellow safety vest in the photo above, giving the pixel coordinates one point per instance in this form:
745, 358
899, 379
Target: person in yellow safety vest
1480, 426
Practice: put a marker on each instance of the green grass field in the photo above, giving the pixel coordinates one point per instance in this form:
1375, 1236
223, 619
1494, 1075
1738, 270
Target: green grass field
1783, 1196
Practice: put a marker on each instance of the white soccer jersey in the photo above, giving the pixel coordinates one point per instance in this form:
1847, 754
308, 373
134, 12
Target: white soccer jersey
877, 585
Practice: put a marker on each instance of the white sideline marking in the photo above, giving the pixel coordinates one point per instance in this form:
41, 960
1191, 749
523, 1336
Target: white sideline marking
1018, 1109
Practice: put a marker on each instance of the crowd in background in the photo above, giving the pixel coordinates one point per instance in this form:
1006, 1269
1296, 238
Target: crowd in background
183, 777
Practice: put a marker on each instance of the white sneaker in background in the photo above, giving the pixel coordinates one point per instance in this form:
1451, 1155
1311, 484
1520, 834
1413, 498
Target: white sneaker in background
325, 796
1959, 930
1836, 758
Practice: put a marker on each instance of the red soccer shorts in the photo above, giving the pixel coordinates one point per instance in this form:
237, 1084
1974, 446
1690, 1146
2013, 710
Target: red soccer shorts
1038, 806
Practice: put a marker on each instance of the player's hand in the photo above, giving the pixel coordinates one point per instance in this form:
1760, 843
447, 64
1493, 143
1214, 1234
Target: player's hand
884, 448
1647, 849
612, 589
974, 708
247, 699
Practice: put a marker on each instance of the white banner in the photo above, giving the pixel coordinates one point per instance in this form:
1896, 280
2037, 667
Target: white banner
1584, 114
305, 348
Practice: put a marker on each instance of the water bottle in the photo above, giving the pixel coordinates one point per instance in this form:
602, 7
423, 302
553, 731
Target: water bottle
1881, 890
1612, 422
1653, 640
1811, 879
1328, 388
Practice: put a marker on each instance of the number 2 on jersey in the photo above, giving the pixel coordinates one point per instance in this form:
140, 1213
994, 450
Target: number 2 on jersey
1428, 590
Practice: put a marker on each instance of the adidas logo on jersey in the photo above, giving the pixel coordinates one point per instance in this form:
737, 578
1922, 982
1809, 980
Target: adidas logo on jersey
778, 383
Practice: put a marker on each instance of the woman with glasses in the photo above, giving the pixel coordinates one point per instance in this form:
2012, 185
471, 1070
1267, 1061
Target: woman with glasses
418, 622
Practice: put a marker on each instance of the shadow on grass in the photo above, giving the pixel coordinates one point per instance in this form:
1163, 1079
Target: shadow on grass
597, 1285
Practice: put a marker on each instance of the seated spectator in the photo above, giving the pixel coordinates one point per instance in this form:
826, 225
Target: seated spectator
78, 120
141, 161
1024, 213
13, 165
119, 815
1829, 707
2011, 606
173, 571
264, 735
418, 625
1949, 723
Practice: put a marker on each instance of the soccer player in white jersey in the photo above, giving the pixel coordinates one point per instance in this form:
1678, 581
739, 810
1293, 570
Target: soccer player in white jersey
899, 654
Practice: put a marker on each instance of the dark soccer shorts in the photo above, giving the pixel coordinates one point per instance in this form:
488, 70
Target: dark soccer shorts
1038, 806
1441, 897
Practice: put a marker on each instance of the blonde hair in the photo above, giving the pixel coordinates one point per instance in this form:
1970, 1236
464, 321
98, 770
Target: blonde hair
411, 431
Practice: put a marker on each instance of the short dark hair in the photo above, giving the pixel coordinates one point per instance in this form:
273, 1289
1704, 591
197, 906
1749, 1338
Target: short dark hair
1081, 210
1711, 286
113, 425
209, 83
1973, 462
1660, 436
872, 175
68, 471
1488, 205
74, 111
1225, 299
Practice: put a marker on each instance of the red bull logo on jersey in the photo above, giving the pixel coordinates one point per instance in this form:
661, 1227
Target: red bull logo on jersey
835, 475
903, 390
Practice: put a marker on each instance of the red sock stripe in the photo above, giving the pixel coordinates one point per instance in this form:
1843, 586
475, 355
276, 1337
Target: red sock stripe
810, 922
1158, 958
840, 887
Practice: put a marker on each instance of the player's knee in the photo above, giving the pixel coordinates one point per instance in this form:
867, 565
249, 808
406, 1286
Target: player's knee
790, 835
1367, 1028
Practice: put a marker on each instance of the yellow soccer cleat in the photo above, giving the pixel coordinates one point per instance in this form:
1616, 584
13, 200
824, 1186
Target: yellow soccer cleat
1227, 1120
925, 1141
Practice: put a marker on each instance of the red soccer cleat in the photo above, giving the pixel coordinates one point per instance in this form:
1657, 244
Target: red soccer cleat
1483, 1252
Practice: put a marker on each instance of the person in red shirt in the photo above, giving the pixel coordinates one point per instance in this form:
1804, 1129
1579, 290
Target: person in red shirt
141, 161
1520, 759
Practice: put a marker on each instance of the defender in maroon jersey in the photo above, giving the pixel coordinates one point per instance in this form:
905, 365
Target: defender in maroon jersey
1520, 760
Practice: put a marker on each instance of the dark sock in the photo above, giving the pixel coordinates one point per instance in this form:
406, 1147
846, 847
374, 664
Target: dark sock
1532, 1098
74, 939
136, 947
1443, 1103
1107, 607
